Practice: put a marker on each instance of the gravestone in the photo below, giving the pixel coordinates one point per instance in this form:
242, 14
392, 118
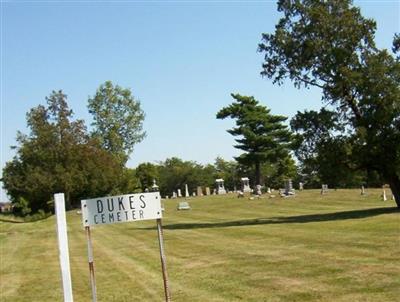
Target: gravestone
208, 192
245, 185
186, 191
301, 186
194, 194
220, 186
258, 190
269, 190
289, 187
179, 193
363, 190
384, 198
154, 187
183, 205
199, 191
174, 194
324, 189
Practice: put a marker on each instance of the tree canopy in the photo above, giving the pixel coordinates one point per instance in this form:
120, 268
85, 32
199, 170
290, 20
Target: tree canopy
57, 156
262, 135
330, 45
118, 119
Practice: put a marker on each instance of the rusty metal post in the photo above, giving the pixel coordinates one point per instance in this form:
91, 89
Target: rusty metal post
91, 264
163, 260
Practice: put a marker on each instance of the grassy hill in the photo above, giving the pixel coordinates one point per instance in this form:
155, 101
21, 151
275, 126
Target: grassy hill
338, 247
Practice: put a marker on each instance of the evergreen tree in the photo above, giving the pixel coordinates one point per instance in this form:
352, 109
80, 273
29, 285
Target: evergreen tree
262, 136
57, 156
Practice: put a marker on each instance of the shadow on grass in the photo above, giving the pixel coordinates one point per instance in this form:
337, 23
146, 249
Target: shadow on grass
355, 214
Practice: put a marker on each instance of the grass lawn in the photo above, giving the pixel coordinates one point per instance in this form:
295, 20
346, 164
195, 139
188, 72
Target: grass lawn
338, 247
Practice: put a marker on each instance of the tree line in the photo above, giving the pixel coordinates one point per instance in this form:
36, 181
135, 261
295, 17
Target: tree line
61, 155
353, 140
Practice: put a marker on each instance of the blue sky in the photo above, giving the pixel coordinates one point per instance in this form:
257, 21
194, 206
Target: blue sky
182, 59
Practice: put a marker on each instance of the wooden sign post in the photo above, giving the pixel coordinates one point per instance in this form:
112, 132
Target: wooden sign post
163, 260
118, 209
59, 204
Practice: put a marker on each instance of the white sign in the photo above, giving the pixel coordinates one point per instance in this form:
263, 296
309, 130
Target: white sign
122, 208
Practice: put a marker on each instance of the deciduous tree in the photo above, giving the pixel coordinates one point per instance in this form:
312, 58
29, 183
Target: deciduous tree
330, 45
57, 156
118, 119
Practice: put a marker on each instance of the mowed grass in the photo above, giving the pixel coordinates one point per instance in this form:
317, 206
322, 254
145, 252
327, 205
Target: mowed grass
338, 247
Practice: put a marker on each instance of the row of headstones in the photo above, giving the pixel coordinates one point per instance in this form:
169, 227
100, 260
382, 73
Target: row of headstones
383, 195
220, 189
178, 193
324, 190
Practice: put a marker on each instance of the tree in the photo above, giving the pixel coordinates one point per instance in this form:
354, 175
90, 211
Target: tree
330, 45
118, 119
128, 182
263, 136
228, 171
315, 133
57, 156
175, 173
147, 173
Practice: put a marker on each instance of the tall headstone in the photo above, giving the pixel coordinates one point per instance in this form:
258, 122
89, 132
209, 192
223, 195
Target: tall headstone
245, 185
179, 193
269, 190
289, 187
301, 186
208, 192
384, 198
199, 191
324, 189
362, 190
220, 186
186, 191
174, 195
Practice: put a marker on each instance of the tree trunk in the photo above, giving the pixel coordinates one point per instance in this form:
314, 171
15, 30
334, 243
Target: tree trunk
394, 182
68, 203
258, 173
